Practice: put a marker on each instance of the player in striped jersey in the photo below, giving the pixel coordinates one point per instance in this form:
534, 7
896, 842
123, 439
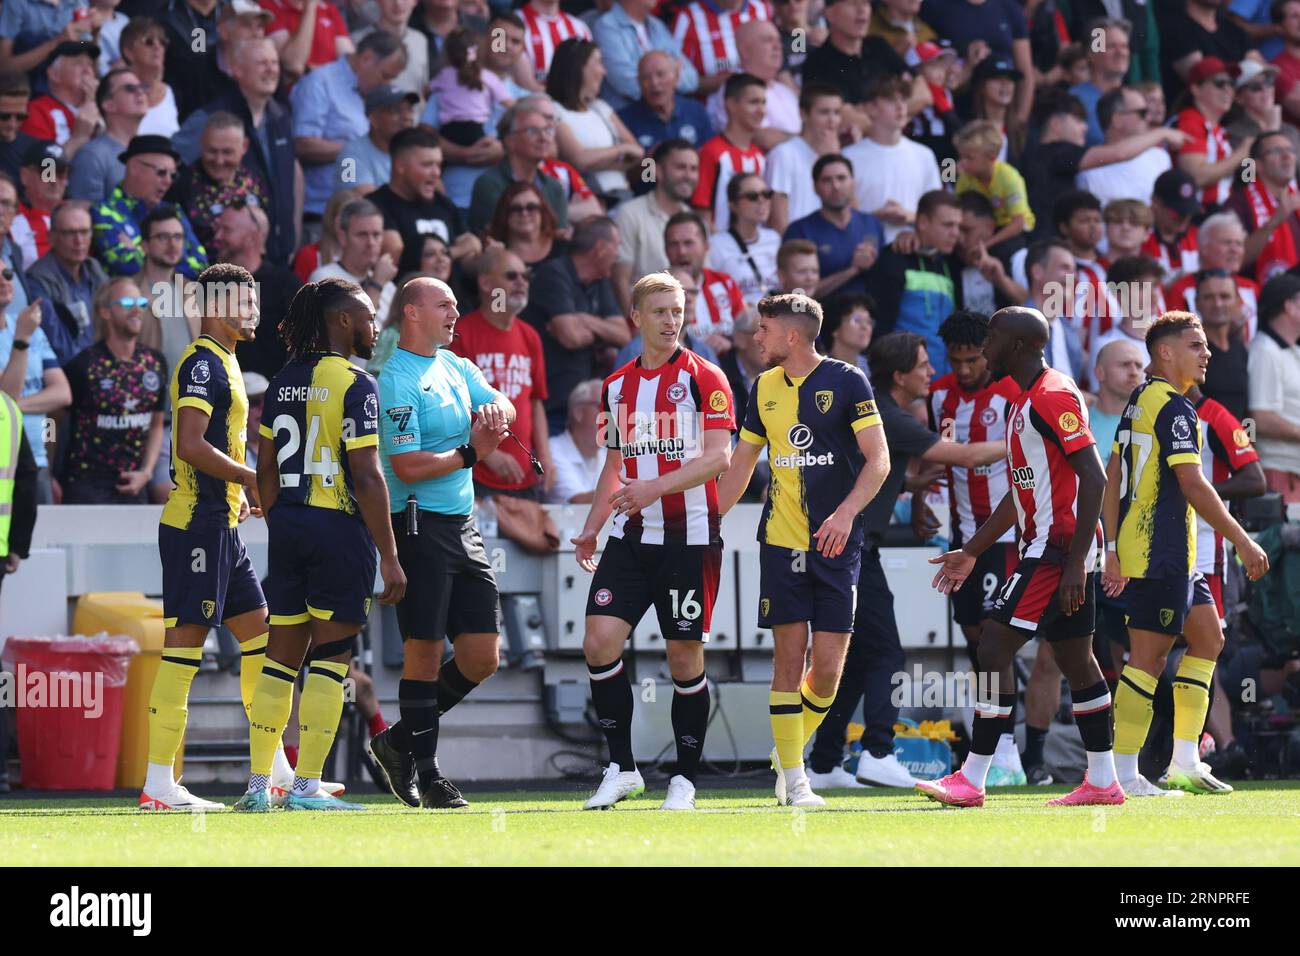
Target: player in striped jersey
546, 26
733, 150
706, 30
666, 421
1155, 484
326, 503
1055, 500
207, 576
967, 405
818, 418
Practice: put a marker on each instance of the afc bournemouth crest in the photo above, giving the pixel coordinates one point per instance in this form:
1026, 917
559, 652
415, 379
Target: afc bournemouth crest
209, 608
824, 400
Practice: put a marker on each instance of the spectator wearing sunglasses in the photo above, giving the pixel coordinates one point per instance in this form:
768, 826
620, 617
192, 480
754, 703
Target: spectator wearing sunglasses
15, 95
1207, 156
119, 393
96, 168
150, 171
144, 52
1136, 154
1258, 109
218, 178
747, 250
525, 225
166, 326
508, 351
69, 278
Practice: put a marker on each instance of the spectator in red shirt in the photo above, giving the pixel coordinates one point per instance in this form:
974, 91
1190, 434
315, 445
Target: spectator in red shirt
733, 150
1268, 206
1223, 246
44, 178
66, 114
1207, 156
1286, 14
509, 353
307, 34
720, 303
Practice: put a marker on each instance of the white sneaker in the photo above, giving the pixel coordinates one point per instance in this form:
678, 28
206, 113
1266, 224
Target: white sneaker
1142, 787
681, 795
176, 797
835, 779
883, 771
617, 785
780, 779
800, 794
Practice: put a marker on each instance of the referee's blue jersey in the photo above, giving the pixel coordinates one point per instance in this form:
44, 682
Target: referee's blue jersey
425, 404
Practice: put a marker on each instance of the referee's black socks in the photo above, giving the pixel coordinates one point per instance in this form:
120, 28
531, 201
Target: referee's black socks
417, 702
452, 686
611, 693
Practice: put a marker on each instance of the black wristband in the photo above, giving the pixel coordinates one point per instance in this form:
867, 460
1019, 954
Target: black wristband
470, 456
21, 344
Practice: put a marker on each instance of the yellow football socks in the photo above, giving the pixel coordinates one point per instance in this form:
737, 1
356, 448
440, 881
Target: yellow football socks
319, 711
1133, 699
1192, 697
814, 709
251, 655
169, 702
269, 713
786, 708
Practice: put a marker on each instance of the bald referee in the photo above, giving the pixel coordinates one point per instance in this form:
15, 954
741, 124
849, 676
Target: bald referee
438, 416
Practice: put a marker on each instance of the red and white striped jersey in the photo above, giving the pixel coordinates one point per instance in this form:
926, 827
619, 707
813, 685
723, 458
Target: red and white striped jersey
543, 32
718, 305
1225, 450
1046, 424
1183, 257
1095, 309
965, 417
1182, 296
719, 161
707, 34
656, 419
575, 187
1211, 141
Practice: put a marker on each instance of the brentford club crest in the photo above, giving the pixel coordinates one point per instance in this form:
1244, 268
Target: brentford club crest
1020, 424
676, 392
988, 418
603, 597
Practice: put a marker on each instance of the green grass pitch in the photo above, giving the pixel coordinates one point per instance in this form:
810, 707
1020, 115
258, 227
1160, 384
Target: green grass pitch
732, 827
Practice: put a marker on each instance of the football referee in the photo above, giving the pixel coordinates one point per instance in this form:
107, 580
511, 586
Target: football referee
430, 438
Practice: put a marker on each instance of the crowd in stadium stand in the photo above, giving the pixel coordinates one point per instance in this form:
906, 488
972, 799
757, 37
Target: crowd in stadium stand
1102, 160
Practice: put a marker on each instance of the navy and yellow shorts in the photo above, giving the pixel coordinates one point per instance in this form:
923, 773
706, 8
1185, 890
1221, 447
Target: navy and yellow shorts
807, 586
1162, 604
207, 576
321, 565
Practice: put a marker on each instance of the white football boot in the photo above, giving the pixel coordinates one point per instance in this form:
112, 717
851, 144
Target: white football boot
681, 794
176, 797
617, 785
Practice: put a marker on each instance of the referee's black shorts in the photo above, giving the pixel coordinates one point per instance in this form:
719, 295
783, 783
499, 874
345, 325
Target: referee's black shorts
450, 587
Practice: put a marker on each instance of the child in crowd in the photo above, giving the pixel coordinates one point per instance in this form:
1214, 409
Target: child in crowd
466, 92
978, 145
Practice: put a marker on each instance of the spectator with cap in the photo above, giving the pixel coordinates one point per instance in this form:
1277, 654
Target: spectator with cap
641, 221
573, 308
361, 257
848, 242
268, 126
892, 172
119, 394
1267, 206
1108, 64
1219, 305
934, 125
526, 131
15, 95
69, 278
576, 458
328, 109
96, 169
1173, 239
364, 163
1207, 156
663, 112
993, 94
150, 170
1256, 109
1135, 153
30, 372
309, 35
996, 26
32, 31
240, 237
759, 45
218, 178
395, 18
44, 179
144, 53
201, 80
67, 114
1275, 386
821, 109
625, 34
850, 59
414, 204
1223, 246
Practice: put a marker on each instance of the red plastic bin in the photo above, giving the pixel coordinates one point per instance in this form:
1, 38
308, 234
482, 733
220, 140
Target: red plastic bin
74, 745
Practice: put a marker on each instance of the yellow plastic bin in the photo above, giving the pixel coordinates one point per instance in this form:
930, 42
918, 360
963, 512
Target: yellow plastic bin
131, 614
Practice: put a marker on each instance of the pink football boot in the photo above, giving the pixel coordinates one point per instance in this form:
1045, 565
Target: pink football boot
1086, 795
953, 790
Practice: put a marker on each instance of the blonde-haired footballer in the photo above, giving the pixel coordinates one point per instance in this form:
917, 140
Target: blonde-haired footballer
665, 420
1154, 483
